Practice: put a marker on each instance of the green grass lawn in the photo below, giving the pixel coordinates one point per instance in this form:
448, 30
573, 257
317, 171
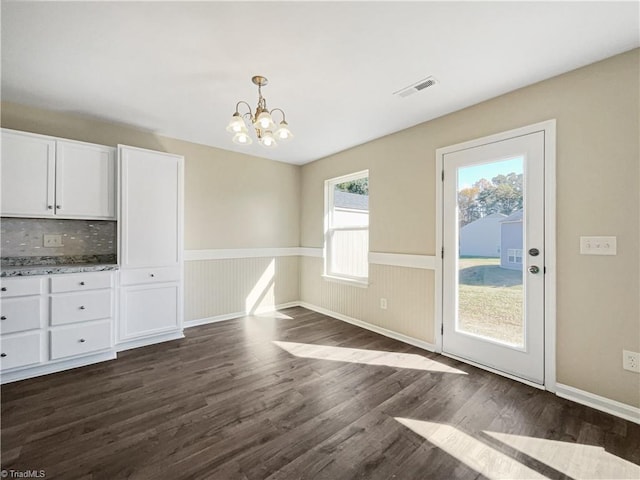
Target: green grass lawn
490, 300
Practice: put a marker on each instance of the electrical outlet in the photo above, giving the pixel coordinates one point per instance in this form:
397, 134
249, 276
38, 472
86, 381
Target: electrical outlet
383, 303
631, 361
53, 241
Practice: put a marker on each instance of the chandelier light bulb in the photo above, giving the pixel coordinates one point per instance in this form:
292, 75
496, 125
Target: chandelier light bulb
242, 138
267, 139
283, 132
264, 121
236, 124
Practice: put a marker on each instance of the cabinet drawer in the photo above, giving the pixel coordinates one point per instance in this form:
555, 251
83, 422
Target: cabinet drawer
80, 339
20, 350
149, 275
15, 287
80, 282
19, 314
80, 307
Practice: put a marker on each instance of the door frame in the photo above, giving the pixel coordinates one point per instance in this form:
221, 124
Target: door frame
549, 129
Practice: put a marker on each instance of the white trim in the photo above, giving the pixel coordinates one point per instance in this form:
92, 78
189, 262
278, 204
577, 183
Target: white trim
368, 326
225, 253
426, 262
151, 340
549, 129
603, 404
214, 319
38, 370
310, 252
231, 316
346, 281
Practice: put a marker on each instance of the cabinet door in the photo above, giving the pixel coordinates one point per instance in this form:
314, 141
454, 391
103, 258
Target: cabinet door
28, 174
85, 180
151, 208
147, 310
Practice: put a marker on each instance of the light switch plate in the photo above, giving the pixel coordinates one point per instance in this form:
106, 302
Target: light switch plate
598, 246
53, 241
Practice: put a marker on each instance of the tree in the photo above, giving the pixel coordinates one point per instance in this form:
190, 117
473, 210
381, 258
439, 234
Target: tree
359, 186
503, 194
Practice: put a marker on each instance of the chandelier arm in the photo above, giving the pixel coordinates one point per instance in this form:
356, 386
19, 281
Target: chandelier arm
245, 103
281, 111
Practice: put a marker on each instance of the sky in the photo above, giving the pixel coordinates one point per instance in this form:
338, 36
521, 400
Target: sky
467, 176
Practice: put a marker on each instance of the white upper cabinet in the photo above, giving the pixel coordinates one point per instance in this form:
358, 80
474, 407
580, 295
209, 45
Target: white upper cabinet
85, 180
49, 177
151, 208
28, 175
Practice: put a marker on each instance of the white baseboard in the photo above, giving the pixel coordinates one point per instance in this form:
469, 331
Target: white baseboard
230, 316
143, 342
215, 319
30, 372
603, 404
368, 326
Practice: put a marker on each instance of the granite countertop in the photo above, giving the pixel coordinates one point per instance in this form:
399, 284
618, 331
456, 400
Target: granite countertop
25, 266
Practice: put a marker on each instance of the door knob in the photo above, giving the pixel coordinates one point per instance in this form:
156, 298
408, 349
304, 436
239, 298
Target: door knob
534, 269
534, 252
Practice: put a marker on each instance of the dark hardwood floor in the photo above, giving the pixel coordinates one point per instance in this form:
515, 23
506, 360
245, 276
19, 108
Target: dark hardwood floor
301, 396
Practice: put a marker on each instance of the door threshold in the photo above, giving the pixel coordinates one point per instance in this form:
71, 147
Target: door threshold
497, 372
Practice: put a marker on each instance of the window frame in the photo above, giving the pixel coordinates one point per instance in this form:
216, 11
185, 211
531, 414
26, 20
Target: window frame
329, 186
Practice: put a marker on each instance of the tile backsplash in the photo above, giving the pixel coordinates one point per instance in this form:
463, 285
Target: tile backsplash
23, 237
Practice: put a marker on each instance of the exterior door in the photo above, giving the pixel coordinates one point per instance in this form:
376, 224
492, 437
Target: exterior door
494, 255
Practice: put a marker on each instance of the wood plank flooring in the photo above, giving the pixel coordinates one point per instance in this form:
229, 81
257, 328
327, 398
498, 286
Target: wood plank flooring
300, 395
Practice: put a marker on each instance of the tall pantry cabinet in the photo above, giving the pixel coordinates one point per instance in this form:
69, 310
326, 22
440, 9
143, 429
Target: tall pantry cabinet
151, 231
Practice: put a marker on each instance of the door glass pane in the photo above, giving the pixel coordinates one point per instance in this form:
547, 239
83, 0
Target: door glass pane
491, 251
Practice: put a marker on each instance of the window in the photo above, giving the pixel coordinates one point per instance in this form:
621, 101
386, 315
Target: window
514, 255
347, 227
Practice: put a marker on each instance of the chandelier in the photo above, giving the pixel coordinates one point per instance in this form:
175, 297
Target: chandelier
262, 121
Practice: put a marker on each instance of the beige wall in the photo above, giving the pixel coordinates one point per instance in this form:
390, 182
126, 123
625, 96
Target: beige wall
231, 200
598, 149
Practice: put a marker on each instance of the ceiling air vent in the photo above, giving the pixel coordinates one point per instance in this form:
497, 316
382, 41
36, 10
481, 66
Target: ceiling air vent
416, 87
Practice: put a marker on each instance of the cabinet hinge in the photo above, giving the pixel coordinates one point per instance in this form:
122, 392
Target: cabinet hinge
442, 329
443, 175
442, 253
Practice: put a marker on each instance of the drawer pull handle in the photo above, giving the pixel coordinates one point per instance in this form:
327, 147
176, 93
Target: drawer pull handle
81, 283
3, 317
152, 275
3, 355
59, 207
82, 340
81, 307
50, 207
4, 289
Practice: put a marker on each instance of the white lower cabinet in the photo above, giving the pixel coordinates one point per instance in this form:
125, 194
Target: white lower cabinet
148, 310
80, 339
55, 322
20, 350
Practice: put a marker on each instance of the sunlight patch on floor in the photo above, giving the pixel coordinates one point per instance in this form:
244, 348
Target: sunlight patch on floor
368, 357
572, 459
477, 455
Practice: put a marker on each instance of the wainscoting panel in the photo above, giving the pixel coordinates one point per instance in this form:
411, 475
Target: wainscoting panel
409, 293
239, 285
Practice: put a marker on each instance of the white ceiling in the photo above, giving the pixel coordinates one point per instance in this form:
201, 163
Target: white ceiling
178, 68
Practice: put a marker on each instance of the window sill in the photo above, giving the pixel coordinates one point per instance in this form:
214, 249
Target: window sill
347, 281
